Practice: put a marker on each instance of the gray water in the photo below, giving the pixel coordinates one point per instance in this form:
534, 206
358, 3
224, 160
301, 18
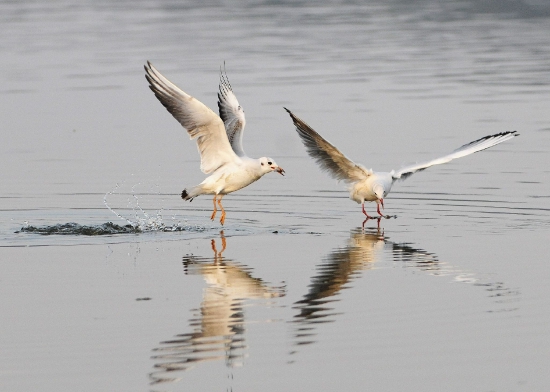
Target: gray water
451, 293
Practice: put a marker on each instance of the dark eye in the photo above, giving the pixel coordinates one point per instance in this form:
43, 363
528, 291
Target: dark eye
269, 163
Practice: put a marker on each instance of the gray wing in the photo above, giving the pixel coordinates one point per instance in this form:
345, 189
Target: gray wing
467, 149
200, 122
327, 156
232, 114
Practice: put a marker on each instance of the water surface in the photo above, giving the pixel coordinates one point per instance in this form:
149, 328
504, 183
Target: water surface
111, 282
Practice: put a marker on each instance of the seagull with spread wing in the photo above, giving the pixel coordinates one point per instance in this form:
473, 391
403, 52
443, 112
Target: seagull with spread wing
365, 184
219, 138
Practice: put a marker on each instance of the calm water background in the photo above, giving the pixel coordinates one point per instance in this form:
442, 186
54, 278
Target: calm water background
451, 295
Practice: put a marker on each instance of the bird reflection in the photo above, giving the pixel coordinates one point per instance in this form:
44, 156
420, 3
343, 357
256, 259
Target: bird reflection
342, 265
219, 325
364, 248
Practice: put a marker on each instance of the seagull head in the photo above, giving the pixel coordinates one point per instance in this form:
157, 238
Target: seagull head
269, 165
379, 192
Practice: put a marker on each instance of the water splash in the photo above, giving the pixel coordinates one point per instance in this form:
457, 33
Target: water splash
143, 221
140, 222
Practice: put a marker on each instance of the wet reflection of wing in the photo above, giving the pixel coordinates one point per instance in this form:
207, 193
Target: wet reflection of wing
218, 326
337, 269
413, 257
362, 251
410, 257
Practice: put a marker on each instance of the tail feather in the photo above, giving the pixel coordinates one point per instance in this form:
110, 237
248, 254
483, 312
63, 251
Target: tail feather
192, 193
185, 195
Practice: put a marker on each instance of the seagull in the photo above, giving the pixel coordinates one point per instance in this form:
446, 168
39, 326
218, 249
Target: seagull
367, 185
219, 138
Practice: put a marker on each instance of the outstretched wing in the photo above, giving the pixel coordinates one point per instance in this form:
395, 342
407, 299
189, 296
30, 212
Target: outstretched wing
232, 114
327, 156
200, 122
467, 149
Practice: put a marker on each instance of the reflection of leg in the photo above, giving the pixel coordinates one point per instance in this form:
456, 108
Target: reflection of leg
378, 219
218, 255
224, 243
379, 231
222, 219
215, 210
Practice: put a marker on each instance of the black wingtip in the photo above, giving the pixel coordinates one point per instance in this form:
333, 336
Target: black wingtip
294, 118
224, 79
184, 194
148, 67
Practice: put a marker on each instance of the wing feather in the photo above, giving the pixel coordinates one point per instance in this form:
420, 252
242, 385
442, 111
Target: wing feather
327, 156
232, 114
467, 149
200, 122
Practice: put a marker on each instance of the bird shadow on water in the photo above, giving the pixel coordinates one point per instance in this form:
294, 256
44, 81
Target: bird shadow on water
363, 250
218, 325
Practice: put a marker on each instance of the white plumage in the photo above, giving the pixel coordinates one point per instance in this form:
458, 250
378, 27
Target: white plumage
365, 184
219, 140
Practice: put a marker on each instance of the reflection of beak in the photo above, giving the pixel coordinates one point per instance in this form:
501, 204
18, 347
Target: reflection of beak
382, 202
280, 171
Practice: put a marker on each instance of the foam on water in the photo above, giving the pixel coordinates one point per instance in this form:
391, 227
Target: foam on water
72, 228
108, 228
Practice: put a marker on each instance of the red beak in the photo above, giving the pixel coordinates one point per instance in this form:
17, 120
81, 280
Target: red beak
280, 171
382, 202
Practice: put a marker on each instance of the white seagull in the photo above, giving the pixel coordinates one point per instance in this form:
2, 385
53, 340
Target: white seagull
365, 184
219, 140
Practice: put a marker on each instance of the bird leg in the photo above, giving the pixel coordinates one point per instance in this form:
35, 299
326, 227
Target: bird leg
365, 212
215, 210
222, 219
378, 210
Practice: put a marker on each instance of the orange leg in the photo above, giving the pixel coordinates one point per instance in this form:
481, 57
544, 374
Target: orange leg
215, 210
222, 219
